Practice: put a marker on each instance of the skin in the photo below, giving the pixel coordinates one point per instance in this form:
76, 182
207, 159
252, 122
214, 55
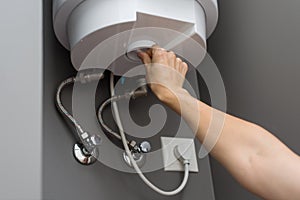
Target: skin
254, 157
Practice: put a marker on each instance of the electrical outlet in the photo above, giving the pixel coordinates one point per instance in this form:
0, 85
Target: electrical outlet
171, 163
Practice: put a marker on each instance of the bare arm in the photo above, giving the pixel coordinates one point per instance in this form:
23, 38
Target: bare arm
255, 158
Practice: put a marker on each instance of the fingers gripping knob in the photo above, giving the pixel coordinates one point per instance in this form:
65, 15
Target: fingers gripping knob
136, 47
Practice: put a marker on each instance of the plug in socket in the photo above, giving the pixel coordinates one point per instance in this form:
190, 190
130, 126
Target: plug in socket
171, 163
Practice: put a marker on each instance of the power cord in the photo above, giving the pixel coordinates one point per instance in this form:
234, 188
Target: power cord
185, 161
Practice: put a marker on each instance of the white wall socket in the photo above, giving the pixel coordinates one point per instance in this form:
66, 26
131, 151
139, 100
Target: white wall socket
170, 161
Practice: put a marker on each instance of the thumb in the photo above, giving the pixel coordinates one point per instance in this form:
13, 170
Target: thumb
144, 57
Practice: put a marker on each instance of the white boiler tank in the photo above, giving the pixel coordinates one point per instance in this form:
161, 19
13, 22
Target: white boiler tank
106, 33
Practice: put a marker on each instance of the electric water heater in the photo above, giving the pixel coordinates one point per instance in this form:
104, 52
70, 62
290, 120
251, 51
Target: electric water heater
107, 33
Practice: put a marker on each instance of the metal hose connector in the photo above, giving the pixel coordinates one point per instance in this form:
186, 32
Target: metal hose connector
133, 145
90, 141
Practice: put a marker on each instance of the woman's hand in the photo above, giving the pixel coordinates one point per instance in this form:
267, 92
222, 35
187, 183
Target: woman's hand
165, 73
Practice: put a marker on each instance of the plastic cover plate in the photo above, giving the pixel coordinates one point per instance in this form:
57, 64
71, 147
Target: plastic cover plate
170, 161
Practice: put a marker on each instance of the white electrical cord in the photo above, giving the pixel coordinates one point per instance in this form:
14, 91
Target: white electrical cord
128, 152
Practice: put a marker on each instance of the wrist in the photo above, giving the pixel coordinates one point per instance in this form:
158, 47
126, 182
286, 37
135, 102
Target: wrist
172, 97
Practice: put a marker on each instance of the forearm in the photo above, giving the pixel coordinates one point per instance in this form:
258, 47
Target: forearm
258, 160
250, 153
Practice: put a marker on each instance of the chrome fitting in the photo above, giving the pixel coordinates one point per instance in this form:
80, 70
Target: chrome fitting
88, 77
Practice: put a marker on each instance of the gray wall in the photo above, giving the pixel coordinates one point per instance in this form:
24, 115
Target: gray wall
257, 49
65, 179
21, 99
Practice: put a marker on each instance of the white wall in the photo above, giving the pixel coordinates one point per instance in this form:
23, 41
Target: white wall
21, 97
